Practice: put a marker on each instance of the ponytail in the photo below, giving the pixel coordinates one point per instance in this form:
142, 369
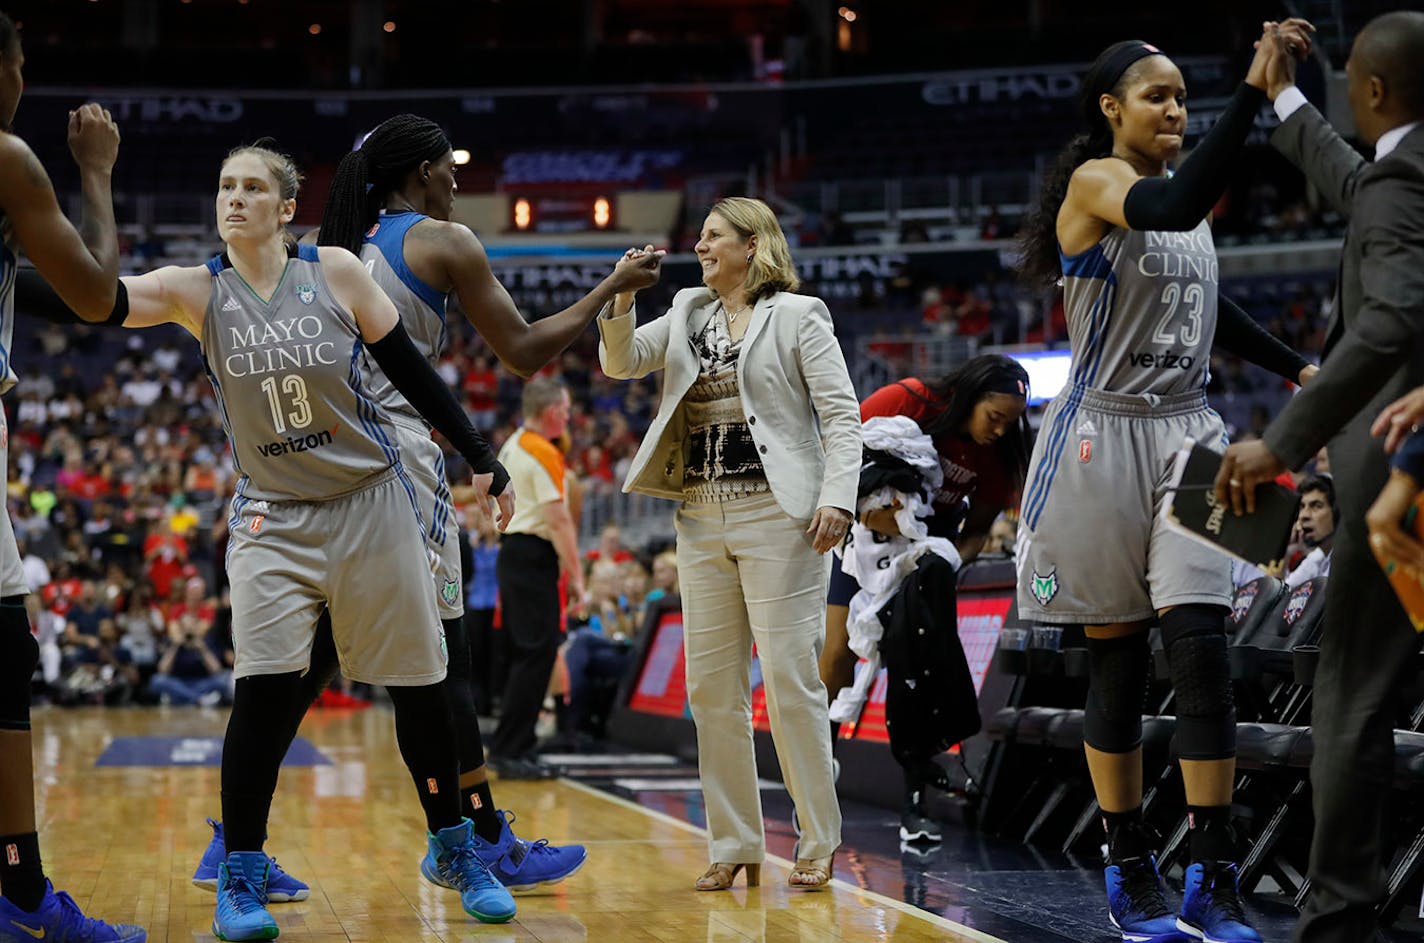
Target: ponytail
367, 176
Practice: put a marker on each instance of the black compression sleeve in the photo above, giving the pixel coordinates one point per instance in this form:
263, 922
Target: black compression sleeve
35, 296
421, 385
1178, 203
1238, 333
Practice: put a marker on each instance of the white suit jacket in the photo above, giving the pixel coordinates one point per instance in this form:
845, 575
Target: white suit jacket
801, 408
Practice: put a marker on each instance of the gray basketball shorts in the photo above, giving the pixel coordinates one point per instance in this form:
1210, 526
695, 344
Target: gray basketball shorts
425, 465
363, 555
12, 571
1091, 547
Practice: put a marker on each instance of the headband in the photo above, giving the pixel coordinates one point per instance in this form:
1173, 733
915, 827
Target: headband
1008, 380
1103, 76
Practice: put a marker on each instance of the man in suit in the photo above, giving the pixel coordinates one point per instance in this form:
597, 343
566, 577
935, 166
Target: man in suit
1374, 352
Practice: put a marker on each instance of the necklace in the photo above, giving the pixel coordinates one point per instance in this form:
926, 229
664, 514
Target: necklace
733, 315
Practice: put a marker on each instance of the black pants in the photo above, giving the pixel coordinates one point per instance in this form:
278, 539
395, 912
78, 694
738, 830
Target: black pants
1367, 650
487, 657
528, 574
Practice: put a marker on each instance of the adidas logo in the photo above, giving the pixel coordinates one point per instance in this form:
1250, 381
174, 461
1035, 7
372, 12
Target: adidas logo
231, 305
1086, 427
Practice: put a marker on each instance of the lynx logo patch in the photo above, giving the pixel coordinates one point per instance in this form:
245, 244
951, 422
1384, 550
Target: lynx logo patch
306, 293
450, 592
1044, 588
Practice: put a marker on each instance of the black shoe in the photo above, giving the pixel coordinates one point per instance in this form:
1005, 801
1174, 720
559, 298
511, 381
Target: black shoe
521, 768
916, 826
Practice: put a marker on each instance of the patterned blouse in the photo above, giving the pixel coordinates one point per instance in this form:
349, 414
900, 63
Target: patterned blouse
723, 462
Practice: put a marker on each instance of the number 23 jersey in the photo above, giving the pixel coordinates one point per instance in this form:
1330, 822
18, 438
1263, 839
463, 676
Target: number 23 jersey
1141, 311
288, 380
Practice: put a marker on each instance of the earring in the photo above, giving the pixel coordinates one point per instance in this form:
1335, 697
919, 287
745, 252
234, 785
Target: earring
749, 258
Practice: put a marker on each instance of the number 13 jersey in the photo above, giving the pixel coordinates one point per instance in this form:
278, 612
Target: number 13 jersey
288, 379
1141, 311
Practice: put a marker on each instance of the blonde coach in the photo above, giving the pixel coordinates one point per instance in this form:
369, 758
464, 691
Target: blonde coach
758, 434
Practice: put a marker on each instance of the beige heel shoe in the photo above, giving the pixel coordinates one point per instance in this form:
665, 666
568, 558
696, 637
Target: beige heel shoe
719, 876
812, 874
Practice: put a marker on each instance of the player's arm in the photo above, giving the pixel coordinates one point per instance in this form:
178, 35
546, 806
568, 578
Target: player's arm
385, 337
521, 346
1238, 333
976, 529
83, 267
168, 295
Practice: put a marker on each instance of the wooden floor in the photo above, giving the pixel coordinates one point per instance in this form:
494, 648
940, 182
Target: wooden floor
124, 842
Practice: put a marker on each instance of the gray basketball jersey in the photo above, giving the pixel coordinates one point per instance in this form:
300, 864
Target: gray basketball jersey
422, 308
1141, 310
8, 268
302, 425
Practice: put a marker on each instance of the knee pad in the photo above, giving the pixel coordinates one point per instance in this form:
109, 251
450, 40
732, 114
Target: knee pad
1119, 670
19, 656
1194, 637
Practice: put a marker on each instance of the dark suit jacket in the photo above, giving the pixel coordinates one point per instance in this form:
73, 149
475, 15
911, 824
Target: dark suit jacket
1374, 350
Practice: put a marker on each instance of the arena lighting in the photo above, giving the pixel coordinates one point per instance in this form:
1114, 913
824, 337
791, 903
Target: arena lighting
523, 214
462, 156
389, 26
314, 29
602, 213
847, 14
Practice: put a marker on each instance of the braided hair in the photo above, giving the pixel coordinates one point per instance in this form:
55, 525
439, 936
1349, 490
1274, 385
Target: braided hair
1038, 240
369, 174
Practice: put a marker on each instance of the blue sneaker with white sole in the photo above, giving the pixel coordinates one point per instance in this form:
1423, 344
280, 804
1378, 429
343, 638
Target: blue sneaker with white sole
281, 886
1211, 905
1137, 902
521, 865
59, 918
451, 860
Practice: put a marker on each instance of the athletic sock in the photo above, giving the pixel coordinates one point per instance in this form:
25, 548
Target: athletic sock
1127, 835
477, 804
1212, 837
22, 877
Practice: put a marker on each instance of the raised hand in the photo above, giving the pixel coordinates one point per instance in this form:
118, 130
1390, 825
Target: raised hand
93, 137
638, 269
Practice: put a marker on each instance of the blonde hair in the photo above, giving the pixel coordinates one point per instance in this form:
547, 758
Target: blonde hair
771, 269
282, 168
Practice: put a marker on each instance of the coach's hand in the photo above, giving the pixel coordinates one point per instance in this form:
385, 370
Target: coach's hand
500, 509
1244, 466
828, 528
1400, 419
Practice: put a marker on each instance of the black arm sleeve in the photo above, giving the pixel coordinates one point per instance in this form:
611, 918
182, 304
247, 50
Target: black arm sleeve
1178, 203
1238, 333
35, 296
421, 385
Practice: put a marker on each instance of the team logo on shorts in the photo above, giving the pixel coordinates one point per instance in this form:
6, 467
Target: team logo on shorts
1085, 451
450, 592
306, 293
256, 525
1044, 588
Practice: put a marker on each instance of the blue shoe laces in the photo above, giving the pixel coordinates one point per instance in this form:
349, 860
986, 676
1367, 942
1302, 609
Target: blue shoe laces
87, 924
242, 895
468, 871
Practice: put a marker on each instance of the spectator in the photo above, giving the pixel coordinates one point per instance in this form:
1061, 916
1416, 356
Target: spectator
190, 670
1315, 523
610, 547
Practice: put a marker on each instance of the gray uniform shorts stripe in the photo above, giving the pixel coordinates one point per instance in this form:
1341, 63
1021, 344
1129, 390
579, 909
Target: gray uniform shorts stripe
1092, 549
425, 466
363, 555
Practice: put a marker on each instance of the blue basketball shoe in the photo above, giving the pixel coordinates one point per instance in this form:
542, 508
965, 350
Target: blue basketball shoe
59, 918
242, 913
281, 886
1137, 902
451, 860
522, 865
1211, 905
